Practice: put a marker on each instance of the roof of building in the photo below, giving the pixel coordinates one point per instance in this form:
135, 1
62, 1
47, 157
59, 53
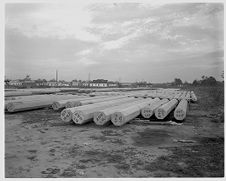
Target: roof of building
100, 81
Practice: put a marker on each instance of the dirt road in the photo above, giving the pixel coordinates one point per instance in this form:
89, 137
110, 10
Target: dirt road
38, 144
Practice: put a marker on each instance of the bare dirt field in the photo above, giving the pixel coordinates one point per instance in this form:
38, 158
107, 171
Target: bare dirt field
39, 144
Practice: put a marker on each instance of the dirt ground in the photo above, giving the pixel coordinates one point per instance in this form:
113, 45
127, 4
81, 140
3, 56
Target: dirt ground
39, 144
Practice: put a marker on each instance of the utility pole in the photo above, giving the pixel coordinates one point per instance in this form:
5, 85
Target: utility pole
56, 77
119, 80
89, 79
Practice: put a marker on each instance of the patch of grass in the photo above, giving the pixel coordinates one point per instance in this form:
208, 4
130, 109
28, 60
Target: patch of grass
110, 133
110, 157
150, 137
123, 166
69, 172
100, 138
209, 97
204, 160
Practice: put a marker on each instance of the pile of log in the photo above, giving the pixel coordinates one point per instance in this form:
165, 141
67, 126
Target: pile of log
116, 107
76, 112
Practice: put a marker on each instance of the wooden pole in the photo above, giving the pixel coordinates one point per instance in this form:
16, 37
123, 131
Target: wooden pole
26, 105
165, 109
193, 97
125, 115
148, 111
181, 110
63, 103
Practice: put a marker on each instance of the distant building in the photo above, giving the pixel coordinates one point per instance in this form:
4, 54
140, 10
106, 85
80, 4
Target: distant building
15, 82
112, 84
75, 83
126, 84
84, 84
99, 83
102, 83
41, 83
52, 83
28, 83
63, 83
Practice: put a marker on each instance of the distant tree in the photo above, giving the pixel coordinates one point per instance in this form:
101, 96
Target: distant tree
195, 83
177, 81
206, 81
210, 81
204, 77
27, 77
7, 81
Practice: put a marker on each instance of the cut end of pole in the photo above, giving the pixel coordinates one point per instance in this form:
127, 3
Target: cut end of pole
10, 107
146, 112
100, 118
117, 119
160, 113
69, 105
56, 106
66, 115
78, 117
179, 114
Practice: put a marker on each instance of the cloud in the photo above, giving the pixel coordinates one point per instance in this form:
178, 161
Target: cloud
115, 39
84, 52
87, 62
62, 21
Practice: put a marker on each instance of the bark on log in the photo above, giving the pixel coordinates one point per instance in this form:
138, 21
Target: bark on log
181, 110
148, 111
123, 116
165, 109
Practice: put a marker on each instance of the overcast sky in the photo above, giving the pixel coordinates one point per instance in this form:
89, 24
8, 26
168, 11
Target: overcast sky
126, 41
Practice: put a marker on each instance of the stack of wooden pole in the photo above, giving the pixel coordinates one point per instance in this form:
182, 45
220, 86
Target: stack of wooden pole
125, 115
82, 116
66, 114
165, 109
